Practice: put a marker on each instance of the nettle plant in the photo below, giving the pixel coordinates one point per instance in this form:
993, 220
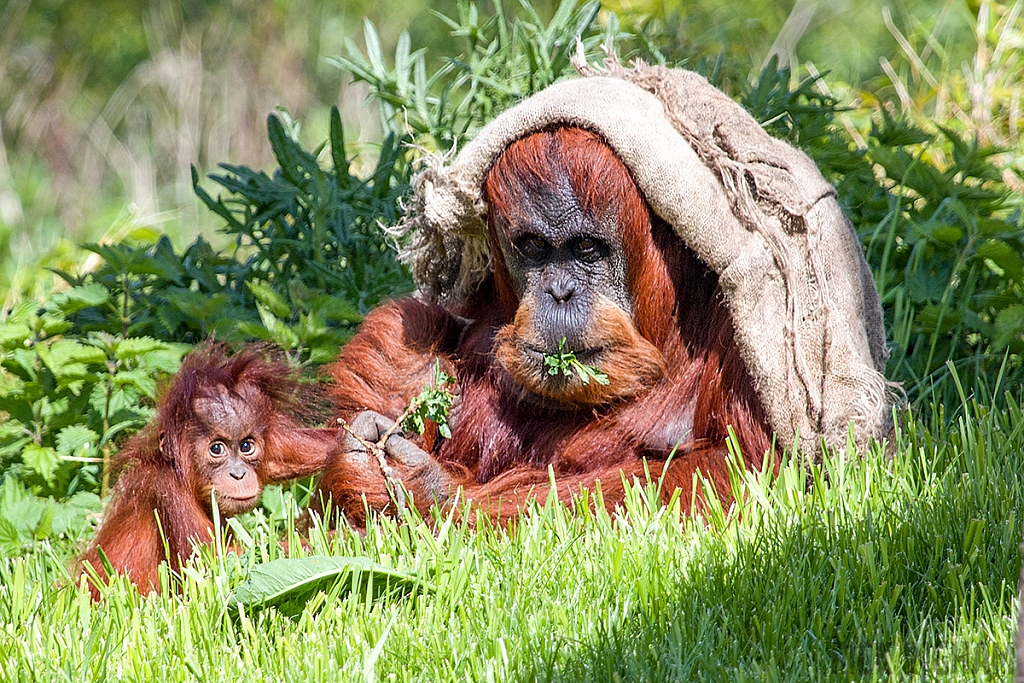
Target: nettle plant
431, 405
564, 362
66, 399
504, 58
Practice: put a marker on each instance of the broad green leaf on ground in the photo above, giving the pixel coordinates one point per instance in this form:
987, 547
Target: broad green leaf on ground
288, 584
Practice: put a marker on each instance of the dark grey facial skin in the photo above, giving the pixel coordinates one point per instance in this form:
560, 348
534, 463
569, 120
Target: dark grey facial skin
559, 259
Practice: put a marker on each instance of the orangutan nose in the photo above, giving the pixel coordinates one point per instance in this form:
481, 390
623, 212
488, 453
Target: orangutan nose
561, 290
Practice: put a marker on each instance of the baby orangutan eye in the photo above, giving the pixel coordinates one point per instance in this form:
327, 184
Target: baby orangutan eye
217, 449
247, 447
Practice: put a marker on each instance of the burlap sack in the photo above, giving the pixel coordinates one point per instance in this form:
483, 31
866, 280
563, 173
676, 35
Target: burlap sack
757, 211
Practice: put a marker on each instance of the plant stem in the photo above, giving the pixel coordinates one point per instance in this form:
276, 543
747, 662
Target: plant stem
105, 483
396, 490
124, 308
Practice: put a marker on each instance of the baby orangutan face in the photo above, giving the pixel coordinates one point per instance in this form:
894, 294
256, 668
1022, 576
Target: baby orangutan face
228, 447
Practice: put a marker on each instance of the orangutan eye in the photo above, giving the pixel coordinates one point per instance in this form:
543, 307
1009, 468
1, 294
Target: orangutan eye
533, 247
218, 449
589, 249
247, 447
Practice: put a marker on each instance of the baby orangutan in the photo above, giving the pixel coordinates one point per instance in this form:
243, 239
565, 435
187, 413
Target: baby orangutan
225, 427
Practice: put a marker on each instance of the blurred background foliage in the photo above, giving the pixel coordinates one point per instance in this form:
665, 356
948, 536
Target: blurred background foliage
105, 105
147, 200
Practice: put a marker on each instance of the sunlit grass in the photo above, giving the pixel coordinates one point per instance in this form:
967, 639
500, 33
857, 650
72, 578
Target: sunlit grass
867, 567
887, 565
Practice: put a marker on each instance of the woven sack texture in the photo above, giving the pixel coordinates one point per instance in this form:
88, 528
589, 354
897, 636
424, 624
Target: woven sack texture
756, 210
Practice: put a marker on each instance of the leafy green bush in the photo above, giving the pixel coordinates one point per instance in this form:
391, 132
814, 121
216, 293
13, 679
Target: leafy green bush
27, 519
66, 398
154, 291
309, 258
309, 261
947, 259
316, 260
503, 60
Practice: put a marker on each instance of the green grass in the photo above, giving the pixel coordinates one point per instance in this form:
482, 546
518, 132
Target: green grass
867, 568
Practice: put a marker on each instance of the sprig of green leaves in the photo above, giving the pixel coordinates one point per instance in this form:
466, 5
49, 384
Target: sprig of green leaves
565, 363
433, 403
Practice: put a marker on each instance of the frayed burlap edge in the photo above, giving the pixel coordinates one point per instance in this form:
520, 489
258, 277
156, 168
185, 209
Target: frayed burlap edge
757, 211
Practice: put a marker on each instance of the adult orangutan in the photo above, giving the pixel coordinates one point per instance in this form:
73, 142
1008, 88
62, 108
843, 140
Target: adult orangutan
580, 265
640, 223
224, 428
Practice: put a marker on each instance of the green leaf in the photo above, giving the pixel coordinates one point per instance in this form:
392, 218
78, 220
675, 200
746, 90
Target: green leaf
69, 359
338, 149
137, 420
296, 163
282, 335
432, 403
75, 299
252, 330
269, 298
334, 308
45, 526
373, 49
935, 318
11, 444
15, 329
1004, 256
74, 439
22, 362
941, 232
164, 358
900, 132
122, 397
924, 287
565, 363
50, 407
10, 540
288, 584
136, 379
197, 305
402, 64
24, 514
588, 372
42, 459
132, 347
71, 516
1010, 327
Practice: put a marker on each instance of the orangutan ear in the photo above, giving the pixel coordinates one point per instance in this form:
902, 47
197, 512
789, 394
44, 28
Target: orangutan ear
164, 446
